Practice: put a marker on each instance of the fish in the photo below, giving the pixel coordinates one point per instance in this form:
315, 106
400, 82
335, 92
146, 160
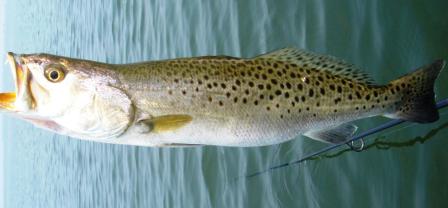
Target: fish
212, 100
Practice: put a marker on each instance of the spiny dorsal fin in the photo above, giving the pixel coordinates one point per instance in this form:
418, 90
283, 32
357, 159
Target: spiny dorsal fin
321, 62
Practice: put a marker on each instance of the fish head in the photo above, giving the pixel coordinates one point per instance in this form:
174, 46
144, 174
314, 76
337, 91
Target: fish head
69, 96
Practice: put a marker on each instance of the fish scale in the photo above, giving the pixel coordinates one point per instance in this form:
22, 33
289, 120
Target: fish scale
222, 100
278, 89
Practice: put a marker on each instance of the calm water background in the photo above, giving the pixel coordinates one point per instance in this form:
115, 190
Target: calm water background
386, 38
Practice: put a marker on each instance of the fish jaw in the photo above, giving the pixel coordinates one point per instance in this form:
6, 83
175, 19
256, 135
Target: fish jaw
21, 100
7, 100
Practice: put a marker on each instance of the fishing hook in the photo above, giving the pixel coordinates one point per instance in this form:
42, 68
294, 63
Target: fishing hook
356, 148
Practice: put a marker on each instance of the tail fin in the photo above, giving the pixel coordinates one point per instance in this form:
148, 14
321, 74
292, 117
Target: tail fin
417, 94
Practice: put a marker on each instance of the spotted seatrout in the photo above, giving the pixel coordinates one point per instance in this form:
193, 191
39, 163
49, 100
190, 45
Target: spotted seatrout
215, 100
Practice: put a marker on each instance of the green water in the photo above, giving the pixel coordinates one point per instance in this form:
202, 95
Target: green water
405, 166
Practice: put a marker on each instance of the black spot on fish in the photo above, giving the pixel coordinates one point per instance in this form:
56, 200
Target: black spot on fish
278, 92
367, 97
238, 82
292, 74
279, 73
322, 91
311, 93
299, 86
264, 76
307, 81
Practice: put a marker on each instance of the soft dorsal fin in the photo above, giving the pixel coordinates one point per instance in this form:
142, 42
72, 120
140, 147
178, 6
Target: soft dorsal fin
321, 62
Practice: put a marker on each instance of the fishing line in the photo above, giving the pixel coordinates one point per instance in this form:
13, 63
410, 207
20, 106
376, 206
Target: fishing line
407, 126
351, 143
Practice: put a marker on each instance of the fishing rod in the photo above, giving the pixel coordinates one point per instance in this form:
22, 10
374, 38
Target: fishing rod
351, 143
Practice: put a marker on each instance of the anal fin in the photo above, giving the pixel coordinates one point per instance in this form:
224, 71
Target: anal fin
334, 135
180, 145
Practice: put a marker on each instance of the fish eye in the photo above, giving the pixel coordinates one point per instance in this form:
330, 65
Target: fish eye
54, 74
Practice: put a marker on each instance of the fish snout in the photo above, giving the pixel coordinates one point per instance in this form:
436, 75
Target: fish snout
11, 100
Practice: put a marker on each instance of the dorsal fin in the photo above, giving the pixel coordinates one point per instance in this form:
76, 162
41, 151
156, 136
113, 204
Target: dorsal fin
320, 62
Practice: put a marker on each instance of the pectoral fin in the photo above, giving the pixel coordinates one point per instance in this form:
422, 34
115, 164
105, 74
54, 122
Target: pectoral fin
336, 135
163, 123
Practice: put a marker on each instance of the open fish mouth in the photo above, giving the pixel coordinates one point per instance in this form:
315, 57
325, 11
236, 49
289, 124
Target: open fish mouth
8, 99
